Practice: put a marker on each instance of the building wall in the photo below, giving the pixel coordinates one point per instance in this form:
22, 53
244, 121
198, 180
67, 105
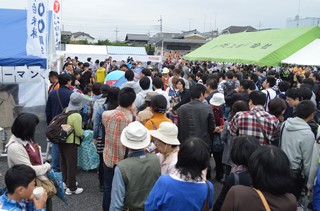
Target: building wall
82, 37
294, 23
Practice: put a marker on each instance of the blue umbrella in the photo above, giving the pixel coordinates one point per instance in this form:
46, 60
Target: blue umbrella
56, 178
113, 77
121, 81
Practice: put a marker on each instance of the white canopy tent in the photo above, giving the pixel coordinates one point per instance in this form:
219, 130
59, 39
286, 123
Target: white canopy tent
308, 55
85, 51
102, 52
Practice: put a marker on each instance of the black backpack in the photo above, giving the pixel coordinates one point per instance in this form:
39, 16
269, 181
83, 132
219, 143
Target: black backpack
55, 132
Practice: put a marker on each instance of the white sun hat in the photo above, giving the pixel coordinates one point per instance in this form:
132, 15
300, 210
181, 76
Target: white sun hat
167, 133
165, 70
135, 136
217, 99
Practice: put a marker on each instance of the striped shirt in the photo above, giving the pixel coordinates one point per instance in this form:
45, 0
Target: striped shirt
114, 121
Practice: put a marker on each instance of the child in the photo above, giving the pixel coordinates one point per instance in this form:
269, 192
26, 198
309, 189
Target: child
20, 182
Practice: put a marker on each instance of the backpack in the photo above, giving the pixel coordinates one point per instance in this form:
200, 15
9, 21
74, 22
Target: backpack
55, 131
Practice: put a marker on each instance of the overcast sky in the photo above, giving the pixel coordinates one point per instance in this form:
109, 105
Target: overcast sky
100, 18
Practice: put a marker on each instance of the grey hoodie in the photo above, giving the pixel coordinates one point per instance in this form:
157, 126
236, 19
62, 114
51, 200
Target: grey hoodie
297, 142
96, 104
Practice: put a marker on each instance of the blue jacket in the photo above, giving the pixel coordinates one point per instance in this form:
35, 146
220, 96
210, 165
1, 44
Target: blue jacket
316, 193
173, 194
53, 107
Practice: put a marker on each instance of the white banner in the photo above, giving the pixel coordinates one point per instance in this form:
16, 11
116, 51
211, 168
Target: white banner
56, 11
21, 74
37, 28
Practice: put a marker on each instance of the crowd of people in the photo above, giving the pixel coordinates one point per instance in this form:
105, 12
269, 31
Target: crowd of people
156, 133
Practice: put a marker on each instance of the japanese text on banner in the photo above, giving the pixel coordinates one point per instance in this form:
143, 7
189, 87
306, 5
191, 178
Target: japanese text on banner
57, 23
37, 28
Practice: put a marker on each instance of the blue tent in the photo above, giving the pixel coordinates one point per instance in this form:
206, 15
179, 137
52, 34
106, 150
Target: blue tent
13, 39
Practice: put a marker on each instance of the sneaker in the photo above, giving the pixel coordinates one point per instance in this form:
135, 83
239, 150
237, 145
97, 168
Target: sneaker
77, 191
65, 186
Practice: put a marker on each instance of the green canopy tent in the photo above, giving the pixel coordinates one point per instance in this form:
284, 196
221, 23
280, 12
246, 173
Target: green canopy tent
267, 47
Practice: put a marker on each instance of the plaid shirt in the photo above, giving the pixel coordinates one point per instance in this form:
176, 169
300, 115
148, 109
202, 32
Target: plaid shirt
245, 124
114, 121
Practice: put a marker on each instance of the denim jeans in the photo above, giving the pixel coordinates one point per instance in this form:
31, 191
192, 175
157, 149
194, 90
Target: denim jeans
55, 154
108, 176
101, 169
226, 112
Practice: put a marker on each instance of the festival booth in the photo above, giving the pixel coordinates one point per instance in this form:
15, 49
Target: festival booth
102, 52
119, 53
308, 55
268, 47
85, 51
27, 54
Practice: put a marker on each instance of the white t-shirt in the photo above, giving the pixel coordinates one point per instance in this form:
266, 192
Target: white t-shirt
271, 94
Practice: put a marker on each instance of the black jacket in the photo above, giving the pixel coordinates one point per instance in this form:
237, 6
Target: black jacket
195, 119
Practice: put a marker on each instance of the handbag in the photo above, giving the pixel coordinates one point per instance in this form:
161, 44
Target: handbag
263, 199
206, 203
48, 186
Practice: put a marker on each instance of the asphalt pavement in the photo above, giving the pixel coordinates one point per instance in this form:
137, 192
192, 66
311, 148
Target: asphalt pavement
89, 200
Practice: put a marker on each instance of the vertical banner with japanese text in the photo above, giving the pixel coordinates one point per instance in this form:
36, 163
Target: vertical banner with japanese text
57, 23
37, 28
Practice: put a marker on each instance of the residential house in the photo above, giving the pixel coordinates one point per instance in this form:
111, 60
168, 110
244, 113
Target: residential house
77, 36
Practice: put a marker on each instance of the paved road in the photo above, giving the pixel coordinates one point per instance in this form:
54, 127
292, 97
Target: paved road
89, 200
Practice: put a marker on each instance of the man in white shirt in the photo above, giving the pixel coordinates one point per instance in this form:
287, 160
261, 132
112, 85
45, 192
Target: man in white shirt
267, 89
144, 83
157, 86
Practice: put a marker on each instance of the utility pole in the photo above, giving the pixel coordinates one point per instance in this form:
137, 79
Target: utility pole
215, 20
161, 34
298, 16
116, 34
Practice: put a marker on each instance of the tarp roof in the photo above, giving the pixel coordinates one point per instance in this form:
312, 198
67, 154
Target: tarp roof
13, 38
86, 49
126, 50
262, 48
309, 55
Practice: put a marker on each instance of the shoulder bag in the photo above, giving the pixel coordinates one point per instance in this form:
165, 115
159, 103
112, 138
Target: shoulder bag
205, 206
263, 199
